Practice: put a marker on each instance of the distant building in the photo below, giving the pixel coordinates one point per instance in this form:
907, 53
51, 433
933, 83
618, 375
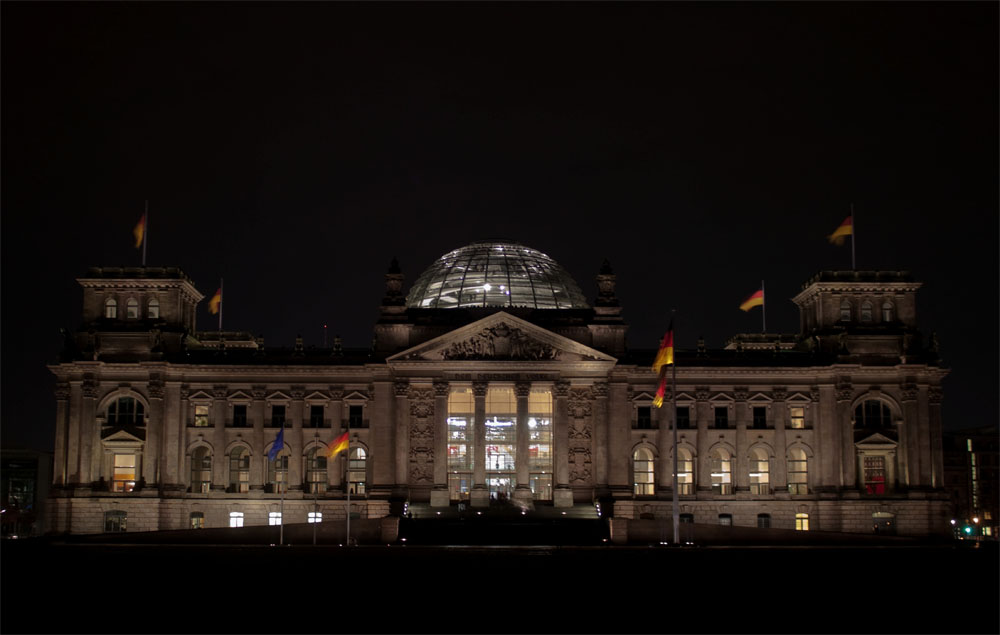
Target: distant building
496, 381
972, 477
25, 476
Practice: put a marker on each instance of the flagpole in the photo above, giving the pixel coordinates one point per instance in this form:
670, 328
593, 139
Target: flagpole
347, 463
763, 307
282, 485
220, 304
315, 489
673, 402
854, 232
145, 232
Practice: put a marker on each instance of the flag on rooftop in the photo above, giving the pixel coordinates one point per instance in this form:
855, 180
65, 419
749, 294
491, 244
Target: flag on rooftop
213, 304
140, 231
665, 356
846, 229
279, 443
755, 299
337, 446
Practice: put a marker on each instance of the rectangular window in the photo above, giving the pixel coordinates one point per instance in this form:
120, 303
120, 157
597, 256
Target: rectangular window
801, 522
683, 418
643, 418
726, 520
687, 519
315, 517
274, 518
355, 416
721, 417
235, 519
759, 418
797, 477
315, 416
874, 474
201, 416
123, 479
764, 521
277, 416
540, 443
115, 521
797, 416
197, 520
240, 416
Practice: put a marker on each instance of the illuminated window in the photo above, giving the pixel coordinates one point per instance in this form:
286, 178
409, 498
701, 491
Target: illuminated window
201, 416
797, 417
501, 441
111, 308
239, 416
722, 472
866, 311
643, 418
801, 522
315, 416
126, 411
683, 418
642, 471
277, 472
197, 520
887, 312
685, 472
316, 471
845, 311
132, 309
722, 417
239, 470
461, 414
726, 520
760, 478
115, 520
357, 466
201, 471
798, 472
759, 418
153, 309
540, 443
277, 416
874, 474
764, 521
235, 519
314, 517
123, 477
274, 518
873, 414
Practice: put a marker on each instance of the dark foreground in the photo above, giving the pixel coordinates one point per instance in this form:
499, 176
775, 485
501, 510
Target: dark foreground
51, 588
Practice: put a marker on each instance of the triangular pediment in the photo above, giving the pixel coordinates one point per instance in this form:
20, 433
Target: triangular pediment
122, 438
722, 398
501, 337
683, 396
760, 398
799, 398
277, 395
199, 395
643, 396
876, 440
316, 396
355, 395
239, 395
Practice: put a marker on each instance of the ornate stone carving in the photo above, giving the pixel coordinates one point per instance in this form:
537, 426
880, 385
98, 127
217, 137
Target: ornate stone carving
90, 386
421, 455
479, 388
441, 389
741, 393
185, 391
845, 391
298, 392
701, 393
814, 393
600, 390
336, 393
401, 388
580, 402
259, 392
500, 342
779, 393
934, 394
522, 389
579, 432
62, 390
219, 392
908, 392
561, 389
579, 465
421, 402
155, 388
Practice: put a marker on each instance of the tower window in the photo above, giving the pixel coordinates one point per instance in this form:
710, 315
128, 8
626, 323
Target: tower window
111, 309
153, 309
887, 312
132, 309
845, 311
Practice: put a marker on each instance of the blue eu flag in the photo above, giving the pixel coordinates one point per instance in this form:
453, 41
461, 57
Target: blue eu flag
279, 442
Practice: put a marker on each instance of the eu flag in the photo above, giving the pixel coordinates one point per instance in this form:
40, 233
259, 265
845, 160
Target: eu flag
279, 442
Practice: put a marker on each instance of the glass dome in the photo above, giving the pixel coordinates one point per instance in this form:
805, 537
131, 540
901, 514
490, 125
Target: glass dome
495, 273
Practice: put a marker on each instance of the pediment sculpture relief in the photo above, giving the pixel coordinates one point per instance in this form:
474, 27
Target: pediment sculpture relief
500, 342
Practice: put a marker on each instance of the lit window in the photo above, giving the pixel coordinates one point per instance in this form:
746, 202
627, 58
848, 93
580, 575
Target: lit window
316, 471
115, 520
797, 417
314, 517
540, 443
153, 309
726, 520
125, 411
274, 518
759, 418
801, 522
201, 471
764, 521
501, 441
874, 474
110, 308
277, 473
685, 472
845, 311
722, 472
798, 472
235, 519
642, 470
356, 470
197, 520
461, 412
277, 416
866, 311
887, 312
315, 416
239, 470
722, 417
201, 416
760, 465
132, 309
123, 478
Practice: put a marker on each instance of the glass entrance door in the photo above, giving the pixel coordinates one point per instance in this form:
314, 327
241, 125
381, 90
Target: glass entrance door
501, 486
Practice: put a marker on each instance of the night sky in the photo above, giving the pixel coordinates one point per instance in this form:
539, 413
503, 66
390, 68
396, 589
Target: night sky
295, 149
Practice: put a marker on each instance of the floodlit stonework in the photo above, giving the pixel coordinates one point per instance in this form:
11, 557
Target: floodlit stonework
494, 382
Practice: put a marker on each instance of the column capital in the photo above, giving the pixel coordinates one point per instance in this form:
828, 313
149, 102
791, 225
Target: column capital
779, 393
934, 394
298, 392
401, 387
336, 393
479, 388
62, 390
702, 393
441, 388
522, 389
741, 393
561, 389
600, 390
220, 392
259, 392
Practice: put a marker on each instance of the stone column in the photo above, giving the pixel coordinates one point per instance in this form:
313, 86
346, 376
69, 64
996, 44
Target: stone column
220, 460
73, 434
382, 464
154, 433
522, 491
258, 461
59, 450
335, 412
934, 418
835, 404
402, 432
740, 463
480, 495
440, 497
923, 429
619, 441
779, 466
175, 397
600, 390
664, 472
704, 464
89, 453
563, 495
294, 440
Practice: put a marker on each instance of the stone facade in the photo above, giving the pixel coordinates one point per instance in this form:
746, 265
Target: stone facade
837, 427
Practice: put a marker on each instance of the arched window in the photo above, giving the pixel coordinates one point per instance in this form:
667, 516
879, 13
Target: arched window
201, 471
125, 411
873, 414
887, 312
356, 471
316, 471
153, 309
115, 520
845, 311
866, 311
685, 472
110, 308
239, 470
798, 472
197, 520
722, 472
132, 309
760, 468
642, 470
277, 472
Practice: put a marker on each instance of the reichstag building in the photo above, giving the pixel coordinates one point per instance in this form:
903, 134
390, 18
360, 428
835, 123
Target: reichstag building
496, 380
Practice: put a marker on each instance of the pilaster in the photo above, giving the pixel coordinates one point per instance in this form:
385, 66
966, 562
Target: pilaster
335, 466
258, 460
62, 393
600, 390
440, 496
563, 495
779, 466
619, 429
151, 459
88, 431
220, 461
522, 490
296, 461
479, 497
73, 433
401, 430
741, 394
703, 414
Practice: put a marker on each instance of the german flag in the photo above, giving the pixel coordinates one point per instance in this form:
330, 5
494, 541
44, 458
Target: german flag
665, 356
756, 299
215, 302
846, 229
337, 446
140, 231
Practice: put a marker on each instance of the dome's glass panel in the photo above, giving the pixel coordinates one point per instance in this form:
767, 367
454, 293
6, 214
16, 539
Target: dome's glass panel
488, 274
